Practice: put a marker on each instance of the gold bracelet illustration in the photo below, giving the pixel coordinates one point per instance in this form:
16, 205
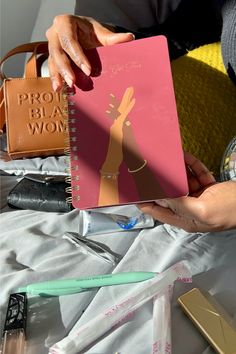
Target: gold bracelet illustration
138, 169
109, 175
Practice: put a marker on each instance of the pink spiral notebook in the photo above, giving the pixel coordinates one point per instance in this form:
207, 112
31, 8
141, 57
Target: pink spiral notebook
125, 144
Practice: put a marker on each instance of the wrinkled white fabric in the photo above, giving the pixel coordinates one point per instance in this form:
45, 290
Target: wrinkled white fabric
32, 249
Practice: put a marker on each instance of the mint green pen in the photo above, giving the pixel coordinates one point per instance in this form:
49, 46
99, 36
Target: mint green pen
72, 286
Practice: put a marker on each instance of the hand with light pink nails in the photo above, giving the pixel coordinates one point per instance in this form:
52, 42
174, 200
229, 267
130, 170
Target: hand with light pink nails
68, 37
210, 206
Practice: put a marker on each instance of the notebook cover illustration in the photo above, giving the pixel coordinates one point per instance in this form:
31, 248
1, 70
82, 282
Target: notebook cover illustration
125, 144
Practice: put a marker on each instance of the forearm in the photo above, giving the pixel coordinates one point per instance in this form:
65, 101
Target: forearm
147, 185
145, 181
108, 194
114, 156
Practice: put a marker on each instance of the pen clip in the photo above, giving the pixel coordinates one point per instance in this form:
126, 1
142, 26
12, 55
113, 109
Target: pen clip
60, 291
97, 249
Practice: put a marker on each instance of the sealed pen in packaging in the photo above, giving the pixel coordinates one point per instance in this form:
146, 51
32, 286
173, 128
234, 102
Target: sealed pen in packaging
82, 336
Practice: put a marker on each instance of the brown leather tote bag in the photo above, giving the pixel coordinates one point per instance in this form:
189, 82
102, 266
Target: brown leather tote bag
34, 116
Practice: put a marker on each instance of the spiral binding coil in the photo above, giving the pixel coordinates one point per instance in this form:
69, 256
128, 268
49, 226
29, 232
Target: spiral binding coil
70, 149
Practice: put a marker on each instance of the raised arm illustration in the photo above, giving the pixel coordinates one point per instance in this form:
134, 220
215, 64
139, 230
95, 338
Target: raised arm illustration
123, 146
109, 193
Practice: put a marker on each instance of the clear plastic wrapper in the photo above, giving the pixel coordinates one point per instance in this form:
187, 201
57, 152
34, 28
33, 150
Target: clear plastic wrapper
162, 322
79, 338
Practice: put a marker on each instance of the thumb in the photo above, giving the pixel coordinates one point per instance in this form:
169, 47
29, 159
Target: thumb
183, 206
107, 37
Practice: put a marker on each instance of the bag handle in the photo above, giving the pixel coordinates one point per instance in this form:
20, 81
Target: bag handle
36, 60
2, 110
31, 66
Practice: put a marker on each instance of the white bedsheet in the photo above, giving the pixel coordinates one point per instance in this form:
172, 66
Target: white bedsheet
32, 249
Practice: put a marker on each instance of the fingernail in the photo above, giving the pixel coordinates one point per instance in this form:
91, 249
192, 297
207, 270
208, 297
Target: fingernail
131, 34
55, 86
162, 202
69, 81
122, 35
85, 69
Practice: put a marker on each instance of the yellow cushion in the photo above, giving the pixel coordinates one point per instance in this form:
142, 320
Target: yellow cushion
206, 103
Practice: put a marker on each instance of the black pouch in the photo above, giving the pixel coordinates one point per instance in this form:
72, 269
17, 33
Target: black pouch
40, 192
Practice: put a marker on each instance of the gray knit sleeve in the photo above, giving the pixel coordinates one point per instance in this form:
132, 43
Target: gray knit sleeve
228, 37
